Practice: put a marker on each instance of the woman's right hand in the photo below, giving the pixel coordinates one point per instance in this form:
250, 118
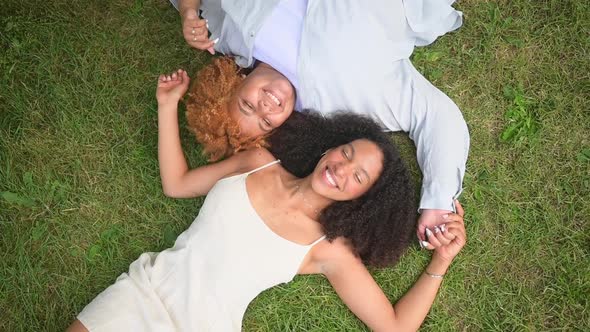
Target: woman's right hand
450, 237
172, 87
195, 31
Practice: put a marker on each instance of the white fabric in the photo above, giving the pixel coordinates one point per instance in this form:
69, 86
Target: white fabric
206, 281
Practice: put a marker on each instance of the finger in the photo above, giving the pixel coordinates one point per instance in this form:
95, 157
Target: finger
449, 236
196, 37
161, 77
459, 237
450, 217
185, 77
454, 225
432, 239
440, 236
211, 50
201, 44
201, 23
196, 32
426, 245
420, 233
459, 208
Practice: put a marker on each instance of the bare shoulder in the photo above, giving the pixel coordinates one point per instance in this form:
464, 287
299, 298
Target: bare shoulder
252, 158
330, 256
258, 157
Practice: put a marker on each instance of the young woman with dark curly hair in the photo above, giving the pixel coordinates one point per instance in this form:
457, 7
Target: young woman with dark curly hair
260, 225
329, 56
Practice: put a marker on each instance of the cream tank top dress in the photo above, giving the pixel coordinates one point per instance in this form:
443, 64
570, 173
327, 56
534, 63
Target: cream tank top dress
205, 282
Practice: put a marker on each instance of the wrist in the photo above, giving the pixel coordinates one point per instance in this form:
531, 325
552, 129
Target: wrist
184, 11
168, 106
438, 265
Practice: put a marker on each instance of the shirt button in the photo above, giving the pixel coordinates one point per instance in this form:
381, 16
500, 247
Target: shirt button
251, 34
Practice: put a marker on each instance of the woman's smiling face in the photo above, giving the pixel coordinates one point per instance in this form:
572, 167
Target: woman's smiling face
348, 171
263, 101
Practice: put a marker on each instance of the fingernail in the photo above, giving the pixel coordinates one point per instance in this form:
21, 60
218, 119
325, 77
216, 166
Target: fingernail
424, 244
420, 243
215, 40
443, 228
428, 232
445, 216
436, 229
207, 24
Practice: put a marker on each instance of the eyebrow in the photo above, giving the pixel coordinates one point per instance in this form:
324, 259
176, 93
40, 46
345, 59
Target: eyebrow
352, 157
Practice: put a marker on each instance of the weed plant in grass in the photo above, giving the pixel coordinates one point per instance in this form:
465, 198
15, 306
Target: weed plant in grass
80, 195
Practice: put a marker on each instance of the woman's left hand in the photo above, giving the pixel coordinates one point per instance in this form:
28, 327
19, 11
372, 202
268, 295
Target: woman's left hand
449, 238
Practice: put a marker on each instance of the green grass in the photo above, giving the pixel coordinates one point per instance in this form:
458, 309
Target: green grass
80, 195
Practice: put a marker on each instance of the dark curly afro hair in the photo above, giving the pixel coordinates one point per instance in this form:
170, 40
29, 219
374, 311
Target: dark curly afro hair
380, 224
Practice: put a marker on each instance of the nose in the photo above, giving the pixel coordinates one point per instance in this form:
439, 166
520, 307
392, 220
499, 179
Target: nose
268, 107
342, 168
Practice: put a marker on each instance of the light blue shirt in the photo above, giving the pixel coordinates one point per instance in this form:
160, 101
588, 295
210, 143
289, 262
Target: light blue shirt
354, 55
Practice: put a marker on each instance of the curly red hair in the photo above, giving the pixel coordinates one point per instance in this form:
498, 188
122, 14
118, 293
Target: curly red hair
207, 110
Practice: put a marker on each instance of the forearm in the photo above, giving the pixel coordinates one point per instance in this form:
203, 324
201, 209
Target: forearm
442, 146
413, 307
171, 158
185, 5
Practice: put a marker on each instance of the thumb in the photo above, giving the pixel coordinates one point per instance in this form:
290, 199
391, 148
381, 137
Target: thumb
211, 50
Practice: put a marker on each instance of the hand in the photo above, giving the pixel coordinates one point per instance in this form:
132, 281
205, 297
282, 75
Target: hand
429, 218
195, 31
172, 87
449, 238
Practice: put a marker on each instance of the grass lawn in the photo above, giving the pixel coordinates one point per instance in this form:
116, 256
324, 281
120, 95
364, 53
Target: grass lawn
80, 194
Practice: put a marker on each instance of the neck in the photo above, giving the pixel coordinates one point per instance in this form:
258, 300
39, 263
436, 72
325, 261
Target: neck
306, 199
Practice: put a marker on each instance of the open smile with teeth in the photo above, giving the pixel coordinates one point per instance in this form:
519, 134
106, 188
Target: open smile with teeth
330, 178
273, 98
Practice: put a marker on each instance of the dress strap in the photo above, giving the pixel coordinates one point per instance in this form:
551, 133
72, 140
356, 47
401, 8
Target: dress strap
264, 166
316, 241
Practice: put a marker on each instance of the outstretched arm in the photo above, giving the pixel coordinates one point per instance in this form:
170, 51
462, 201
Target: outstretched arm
177, 179
440, 133
359, 291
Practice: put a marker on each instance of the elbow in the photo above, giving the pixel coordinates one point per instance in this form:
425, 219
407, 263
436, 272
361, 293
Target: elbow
171, 191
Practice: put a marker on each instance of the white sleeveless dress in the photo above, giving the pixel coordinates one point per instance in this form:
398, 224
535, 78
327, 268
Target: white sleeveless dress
205, 282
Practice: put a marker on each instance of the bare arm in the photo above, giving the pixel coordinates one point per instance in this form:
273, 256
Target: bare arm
359, 291
177, 179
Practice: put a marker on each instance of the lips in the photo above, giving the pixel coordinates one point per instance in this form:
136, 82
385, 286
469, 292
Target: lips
273, 97
330, 178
